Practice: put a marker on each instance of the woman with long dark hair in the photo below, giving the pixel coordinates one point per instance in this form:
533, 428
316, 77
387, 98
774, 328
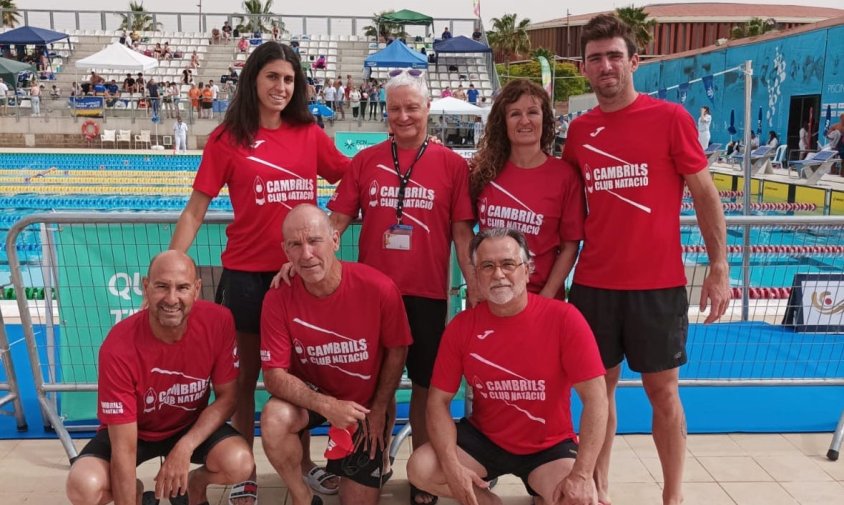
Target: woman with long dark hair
268, 151
516, 183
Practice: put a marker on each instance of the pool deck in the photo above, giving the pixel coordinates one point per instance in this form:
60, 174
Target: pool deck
828, 181
729, 469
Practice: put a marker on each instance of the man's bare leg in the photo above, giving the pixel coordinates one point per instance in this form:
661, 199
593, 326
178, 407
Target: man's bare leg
669, 430
281, 423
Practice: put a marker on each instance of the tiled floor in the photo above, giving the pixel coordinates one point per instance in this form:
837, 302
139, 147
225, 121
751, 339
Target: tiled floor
720, 470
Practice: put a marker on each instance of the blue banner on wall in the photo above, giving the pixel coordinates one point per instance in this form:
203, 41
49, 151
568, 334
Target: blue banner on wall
86, 106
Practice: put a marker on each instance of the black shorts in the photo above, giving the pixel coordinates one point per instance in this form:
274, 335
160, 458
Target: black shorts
648, 327
357, 466
427, 323
207, 105
498, 461
100, 445
243, 293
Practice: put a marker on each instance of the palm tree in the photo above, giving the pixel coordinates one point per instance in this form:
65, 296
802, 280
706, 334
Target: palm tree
138, 19
11, 16
637, 19
383, 30
754, 27
508, 37
258, 17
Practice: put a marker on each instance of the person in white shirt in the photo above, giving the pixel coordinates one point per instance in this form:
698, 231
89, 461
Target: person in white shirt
215, 90
703, 124
329, 93
4, 90
180, 135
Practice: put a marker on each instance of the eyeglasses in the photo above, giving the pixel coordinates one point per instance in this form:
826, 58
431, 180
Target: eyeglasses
506, 266
412, 72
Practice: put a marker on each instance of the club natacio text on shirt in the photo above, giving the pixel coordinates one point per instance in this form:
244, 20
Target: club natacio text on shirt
613, 177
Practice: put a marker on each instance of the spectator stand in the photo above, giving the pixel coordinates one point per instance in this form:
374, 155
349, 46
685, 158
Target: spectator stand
462, 61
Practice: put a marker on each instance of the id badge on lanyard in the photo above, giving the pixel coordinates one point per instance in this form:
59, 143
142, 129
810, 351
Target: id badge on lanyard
398, 237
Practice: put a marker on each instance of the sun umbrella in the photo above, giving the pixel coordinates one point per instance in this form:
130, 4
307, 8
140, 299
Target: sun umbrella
732, 128
759, 123
811, 121
318, 109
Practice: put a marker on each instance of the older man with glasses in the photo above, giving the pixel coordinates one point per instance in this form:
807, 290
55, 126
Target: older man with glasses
521, 353
414, 198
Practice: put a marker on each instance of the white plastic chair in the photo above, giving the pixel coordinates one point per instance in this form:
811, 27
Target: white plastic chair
143, 138
124, 136
108, 136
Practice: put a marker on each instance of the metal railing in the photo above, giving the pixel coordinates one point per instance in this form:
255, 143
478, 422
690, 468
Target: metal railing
10, 385
96, 261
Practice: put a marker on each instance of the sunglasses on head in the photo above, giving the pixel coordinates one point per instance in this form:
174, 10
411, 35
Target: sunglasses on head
413, 72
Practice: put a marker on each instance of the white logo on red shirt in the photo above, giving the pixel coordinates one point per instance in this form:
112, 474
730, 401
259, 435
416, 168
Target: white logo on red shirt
416, 196
257, 143
511, 390
597, 131
294, 189
182, 393
485, 334
523, 219
612, 177
333, 354
111, 408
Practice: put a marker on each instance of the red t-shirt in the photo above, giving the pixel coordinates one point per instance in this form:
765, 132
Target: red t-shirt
265, 182
436, 196
633, 162
335, 343
521, 369
545, 203
164, 387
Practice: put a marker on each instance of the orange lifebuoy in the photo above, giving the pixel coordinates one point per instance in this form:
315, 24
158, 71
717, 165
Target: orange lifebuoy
90, 129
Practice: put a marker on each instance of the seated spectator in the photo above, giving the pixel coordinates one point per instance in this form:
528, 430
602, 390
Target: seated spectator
216, 37
166, 53
227, 31
187, 76
232, 77
459, 93
157, 51
123, 38
476, 35
320, 62
194, 60
446, 34
129, 84
773, 139
243, 44
113, 88
446, 92
134, 37
55, 92
75, 90
140, 85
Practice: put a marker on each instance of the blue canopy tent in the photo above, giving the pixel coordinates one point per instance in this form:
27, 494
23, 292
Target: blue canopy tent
397, 55
31, 35
460, 44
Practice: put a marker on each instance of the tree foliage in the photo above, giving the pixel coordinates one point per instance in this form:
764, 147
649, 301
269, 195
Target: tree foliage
382, 30
637, 19
754, 27
11, 16
568, 80
509, 37
258, 17
138, 19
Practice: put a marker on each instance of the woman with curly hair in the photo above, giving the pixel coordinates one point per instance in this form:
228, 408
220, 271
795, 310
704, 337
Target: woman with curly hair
515, 183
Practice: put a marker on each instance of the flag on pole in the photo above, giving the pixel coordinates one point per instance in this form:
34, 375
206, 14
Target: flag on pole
476, 8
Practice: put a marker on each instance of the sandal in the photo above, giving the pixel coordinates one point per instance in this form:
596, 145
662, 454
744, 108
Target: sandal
316, 478
245, 489
148, 498
416, 492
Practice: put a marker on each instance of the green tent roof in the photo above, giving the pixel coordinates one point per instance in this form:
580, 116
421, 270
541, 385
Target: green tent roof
9, 70
408, 17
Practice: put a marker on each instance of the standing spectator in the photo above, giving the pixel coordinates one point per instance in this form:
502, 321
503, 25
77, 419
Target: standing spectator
180, 135
354, 101
266, 125
140, 84
329, 93
171, 99
215, 90
35, 98
339, 98
409, 238
349, 86
276, 31
476, 35
187, 76
364, 99
562, 134
4, 96
804, 139
446, 34
514, 172
472, 94
227, 31
382, 100
194, 95
207, 106
477, 131
374, 93
639, 214
703, 124
154, 96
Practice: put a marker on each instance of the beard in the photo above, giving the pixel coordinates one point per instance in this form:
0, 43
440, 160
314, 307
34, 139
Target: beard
505, 294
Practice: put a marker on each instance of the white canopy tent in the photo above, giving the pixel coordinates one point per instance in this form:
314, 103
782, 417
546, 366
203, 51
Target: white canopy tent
117, 57
456, 107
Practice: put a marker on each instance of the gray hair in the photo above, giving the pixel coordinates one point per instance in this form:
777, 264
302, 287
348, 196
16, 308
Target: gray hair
418, 83
499, 233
